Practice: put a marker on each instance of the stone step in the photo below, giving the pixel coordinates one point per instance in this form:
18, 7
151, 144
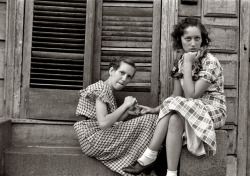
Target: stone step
51, 161
191, 165
27, 132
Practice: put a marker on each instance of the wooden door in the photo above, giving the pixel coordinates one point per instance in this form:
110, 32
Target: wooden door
130, 29
53, 61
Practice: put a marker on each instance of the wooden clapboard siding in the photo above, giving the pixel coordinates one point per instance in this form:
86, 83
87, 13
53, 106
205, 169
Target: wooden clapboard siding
130, 29
223, 26
224, 33
54, 57
2, 53
242, 138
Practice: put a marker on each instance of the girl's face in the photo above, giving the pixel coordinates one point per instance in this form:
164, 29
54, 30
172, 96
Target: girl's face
122, 76
191, 39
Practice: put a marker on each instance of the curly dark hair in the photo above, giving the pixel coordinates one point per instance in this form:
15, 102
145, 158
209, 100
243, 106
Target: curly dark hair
176, 35
180, 28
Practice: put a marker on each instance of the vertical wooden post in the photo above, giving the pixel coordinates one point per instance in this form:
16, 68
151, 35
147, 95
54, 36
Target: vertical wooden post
27, 43
155, 53
98, 41
9, 59
243, 88
89, 43
169, 18
18, 57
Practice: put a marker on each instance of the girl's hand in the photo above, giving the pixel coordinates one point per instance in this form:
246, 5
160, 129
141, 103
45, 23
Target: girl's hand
146, 109
129, 101
191, 57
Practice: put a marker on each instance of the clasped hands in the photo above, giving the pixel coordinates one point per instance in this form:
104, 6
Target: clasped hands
135, 109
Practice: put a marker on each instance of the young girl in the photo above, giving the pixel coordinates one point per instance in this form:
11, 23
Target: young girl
103, 134
197, 106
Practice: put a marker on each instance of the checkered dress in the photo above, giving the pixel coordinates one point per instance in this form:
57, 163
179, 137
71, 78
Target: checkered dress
204, 114
115, 147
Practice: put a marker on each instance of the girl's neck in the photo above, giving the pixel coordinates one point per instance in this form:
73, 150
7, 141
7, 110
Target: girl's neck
108, 83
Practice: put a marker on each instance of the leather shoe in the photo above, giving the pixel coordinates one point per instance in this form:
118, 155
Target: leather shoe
136, 168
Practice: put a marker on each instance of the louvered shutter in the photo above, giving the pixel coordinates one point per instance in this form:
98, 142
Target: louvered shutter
56, 55
130, 29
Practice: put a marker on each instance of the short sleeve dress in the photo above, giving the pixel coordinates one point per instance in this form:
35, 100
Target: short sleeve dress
202, 115
115, 147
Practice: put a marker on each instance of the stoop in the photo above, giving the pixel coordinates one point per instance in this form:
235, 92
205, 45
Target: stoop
191, 165
47, 161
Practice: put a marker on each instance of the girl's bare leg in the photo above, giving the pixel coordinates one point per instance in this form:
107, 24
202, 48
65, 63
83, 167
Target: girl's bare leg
174, 141
160, 133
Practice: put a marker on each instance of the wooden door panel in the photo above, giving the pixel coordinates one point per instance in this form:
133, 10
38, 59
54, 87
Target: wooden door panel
130, 29
52, 104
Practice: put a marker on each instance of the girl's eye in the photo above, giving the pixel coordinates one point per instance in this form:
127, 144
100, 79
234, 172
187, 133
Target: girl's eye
122, 72
188, 38
197, 38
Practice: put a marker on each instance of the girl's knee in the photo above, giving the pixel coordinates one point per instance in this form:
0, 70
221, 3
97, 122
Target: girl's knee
175, 123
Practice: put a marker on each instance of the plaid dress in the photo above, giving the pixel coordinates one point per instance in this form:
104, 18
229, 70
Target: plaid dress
115, 147
202, 115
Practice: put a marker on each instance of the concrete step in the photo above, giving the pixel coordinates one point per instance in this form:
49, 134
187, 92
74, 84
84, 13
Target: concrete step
27, 132
51, 161
191, 165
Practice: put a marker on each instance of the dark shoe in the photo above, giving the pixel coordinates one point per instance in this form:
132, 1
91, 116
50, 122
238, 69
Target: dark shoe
137, 168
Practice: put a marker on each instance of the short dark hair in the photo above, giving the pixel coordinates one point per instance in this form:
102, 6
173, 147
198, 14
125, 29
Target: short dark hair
117, 63
180, 28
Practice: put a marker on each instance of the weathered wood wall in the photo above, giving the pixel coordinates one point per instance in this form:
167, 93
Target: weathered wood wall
3, 10
227, 21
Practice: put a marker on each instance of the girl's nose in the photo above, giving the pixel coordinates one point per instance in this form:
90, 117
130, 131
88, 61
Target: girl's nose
124, 77
193, 43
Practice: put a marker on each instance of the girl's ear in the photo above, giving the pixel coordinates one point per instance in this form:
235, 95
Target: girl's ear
111, 70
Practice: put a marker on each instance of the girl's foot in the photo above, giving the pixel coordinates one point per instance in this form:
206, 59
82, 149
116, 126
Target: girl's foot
137, 168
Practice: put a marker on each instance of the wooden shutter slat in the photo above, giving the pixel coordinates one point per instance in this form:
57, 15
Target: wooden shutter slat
56, 24
127, 18
64, 3
57, 60
126, 11
57, 71
127, 4
59, 8
62, 50
126, 49
143, 1
58, 40
58, 76
126, 44
66, 32
134, 58
58, 45
55, 81
128, 34
58, 19
126, 53
60, 14
60, 35
143, 68
55, 86
130, 28
76, 56
122, 38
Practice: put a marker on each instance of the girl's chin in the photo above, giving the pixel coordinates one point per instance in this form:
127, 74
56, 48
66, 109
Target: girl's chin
119, 87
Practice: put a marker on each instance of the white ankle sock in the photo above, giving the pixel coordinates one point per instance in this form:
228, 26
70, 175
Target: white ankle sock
148, 157
171, 173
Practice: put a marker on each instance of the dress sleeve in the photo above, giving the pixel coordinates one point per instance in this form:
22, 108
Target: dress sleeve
92, 94
209, 71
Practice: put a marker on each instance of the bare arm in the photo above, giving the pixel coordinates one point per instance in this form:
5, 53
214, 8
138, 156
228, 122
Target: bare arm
192, 89
177, 89
106, 120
